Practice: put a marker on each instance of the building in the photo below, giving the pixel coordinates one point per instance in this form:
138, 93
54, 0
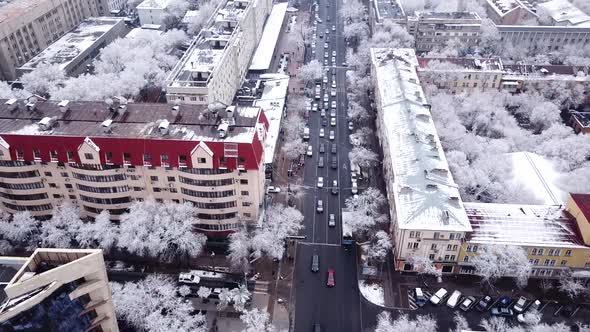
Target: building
77, 48
563, 13
152, 12
427, 214
29, 26
433, 30
548, 233
265, 51
544, 38
390, 10
116, 6
524, 76
461, 74
510, 12
580, 121
214, 66
58, 290
101, 156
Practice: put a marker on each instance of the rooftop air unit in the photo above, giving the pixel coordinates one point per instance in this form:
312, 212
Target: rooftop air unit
64, 106
47, 123
106, 125
163, 127
222, 129
12, 104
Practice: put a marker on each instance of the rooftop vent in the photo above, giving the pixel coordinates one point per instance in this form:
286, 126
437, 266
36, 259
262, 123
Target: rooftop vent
229, 111
163, 127
106, 125
31, 106
175, 110
222, 129
12, 104
64, 106
122, 109
47, 123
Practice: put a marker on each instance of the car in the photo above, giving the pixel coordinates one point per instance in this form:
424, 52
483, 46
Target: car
437, 298
328, 18
322, 148
333, 28
309, 151
334, 163
467, 303
324, 122
333, 112
333, 104
327, 31
326, 54
326, 97
420, 299
333, 53
315, 263
484, 303
454, 299
520, 304
344, 64
333, 93
320, 182
323, 113
313, 44
314, 108
326, 45
320, 206
536, 305
321, 132
334, 60
333, 122
355, 188
326, 106
325, 62
505, 312
332, 135
332, 220
321, 35
188, 278
334, 84
273, 190
314, 36
334, 148
325, 79
331, 282
319, 20
321, 162
350, 125
504, 301
335, 187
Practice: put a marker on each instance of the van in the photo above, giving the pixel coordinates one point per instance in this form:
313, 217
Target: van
315, 263
454, 299
420, 299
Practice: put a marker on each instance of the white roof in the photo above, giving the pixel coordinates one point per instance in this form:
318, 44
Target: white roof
141, 33
426, 196
523, 225
564, 11
539, 176
153, 4
272, 103
268, 41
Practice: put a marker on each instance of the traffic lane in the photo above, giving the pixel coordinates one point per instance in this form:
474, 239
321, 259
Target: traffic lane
335, 309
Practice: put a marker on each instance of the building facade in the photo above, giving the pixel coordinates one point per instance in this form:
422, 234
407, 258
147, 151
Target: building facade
59, 289
460, 75
544, 38
152, 12
510, 12
27, 27
433, 30
100, 156
213, 68
525, 77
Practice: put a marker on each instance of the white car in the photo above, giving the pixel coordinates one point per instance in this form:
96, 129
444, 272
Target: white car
309, 151
320, 182
355, 188
325, 62
325, 80
273, 190
333, 93
334, 84
333, 53
332, 220
314, 36
333, 122
326, 54
326, 97
321, 132
313, 45
437, 298
333, 112
454, 299
188, 278
334, 60
326, 45
333, 28
520, 304
350, 125
314, 107
333, 104
331, 135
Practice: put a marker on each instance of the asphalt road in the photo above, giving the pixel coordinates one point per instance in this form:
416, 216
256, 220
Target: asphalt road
338, 308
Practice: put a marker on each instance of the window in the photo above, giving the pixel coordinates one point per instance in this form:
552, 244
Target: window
52, 185
245, 193
37, 154
540, 251
546, 263
474, 249
436, 235
468, 249
557, 252
56, 196
71, 158
164, 159
157, 190
466, 259
449, 246
53, 155
88, 156
410, 245
415, 245
153, 178
433, 246
173, 190
418, 234
447, 257
171, 179
246, 204
563, 263
243, 181
412, 234
72, 196
552, 262
455, 247
452, 236
68, 186
452, 257
431, 257
182, 160
147, 159
202, 160
109, 157
536, 261
48, 174
568, 253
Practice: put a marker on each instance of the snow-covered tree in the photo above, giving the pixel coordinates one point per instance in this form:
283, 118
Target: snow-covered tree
239, 249
21, 230
393, 35
153, 304
101, 233
225, 298
379, 247
495, 261
461, 323
205, 11
356, 31
297, 104
490, 37
62, 228
357, 113
42, 79
257, 320
184, 290
240, 296
405, 323
571, 286
310, 72
365, 210
163, 230
280, 221
352, 11
423, 265
204, 292
294, 148
363, 157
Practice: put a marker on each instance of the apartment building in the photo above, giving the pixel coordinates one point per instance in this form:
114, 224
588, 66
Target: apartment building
433, 30
525, 76
29, 26
511, 12
106, 156
544, 38
152, 12
58, 290
77, 48
387, 10
549, 234
460, 75
214, 66
580, 121
427, 213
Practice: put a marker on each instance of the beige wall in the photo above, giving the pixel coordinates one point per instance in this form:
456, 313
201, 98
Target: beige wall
462, 81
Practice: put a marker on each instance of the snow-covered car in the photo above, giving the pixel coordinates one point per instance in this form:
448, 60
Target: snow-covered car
333, 93
437, 298
333, 104
467, 303
326, 45
332, 220
454, 299
321, 132
188, 278
333, 53
333, 28
326, 97
314, 108
320, 206
350, 125
520, 304
333, 122
320, 182
309, 151
326, 54
273, 190
335, 187
334, 84
354, 188
334, 60
325, 62
325, 79
332, 135
505, 312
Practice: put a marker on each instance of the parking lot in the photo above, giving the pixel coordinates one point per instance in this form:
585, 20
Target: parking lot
551, 311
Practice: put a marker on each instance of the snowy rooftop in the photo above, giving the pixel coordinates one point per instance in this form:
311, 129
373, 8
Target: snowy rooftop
186, 19
141, 120
388, 9
263, 55
487, 64
426, 196
547, 72
539, 176
272, 103
523, 225
429, 15
74, 43
503, 7
141, 33
153, 4
563, 12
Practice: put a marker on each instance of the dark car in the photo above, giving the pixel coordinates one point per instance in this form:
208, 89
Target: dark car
334, 163
315, 263
324, 122
502, 312
484, 303
322, 148
334, 147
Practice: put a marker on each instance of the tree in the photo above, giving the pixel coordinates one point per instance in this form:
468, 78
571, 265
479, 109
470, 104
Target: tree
310, 72
256, 320
357, 113
153, 304
352, 11
298, 105
365, 210
162, 230
294, 148
490, 37
184, 290
240, 296
391, 34
204, 292
239, 249
356, 31
571, 287
404, 323
101, 233
379, 247
280, 221
205, 11
363, 157
62, 228
461, 323
495, 261
225, 298
22, 231
424, 266
42, 79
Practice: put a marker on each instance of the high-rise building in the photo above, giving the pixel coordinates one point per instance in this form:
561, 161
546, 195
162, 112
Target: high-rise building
59, 290
100, 156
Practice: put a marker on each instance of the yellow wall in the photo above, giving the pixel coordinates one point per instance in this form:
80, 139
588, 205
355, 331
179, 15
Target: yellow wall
583, 223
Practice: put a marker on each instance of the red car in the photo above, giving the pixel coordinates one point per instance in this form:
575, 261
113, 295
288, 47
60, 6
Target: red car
331, 278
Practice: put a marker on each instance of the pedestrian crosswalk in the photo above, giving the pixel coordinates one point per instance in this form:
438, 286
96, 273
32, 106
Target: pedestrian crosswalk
412, 297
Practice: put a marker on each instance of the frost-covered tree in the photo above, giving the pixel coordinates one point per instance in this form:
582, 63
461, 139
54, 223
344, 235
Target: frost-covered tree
379, 247
356, 31
162, 230
225, 298
240, 296
461, 323
280, 221
496, 261
42, 79
490, 37
352, 11
393, 35
256, 320
310, 72
204, 292
101, 233
423, 265
294, 148
357, 113
21, 230
405, 323
363, 157
63, 227
365, 210
239, 249
571, 286
153, 304
205, 11
184, 290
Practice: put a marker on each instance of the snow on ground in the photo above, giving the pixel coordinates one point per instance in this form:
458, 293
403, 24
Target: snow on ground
373, 292
539, 176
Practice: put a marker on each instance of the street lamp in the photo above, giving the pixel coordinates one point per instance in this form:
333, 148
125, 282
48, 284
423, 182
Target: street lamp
213, 260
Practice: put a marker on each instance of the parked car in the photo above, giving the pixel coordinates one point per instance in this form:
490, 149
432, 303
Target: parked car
520, 304
536, 305
332, 220
437, 298
467, 303
331, 282
454, 299
350, 125
188, 278
334, 163
420, 298
322, 148
320, 206
315, 263
273, 190
309, 151
321, 162
484, 303
355, 188
505, 312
